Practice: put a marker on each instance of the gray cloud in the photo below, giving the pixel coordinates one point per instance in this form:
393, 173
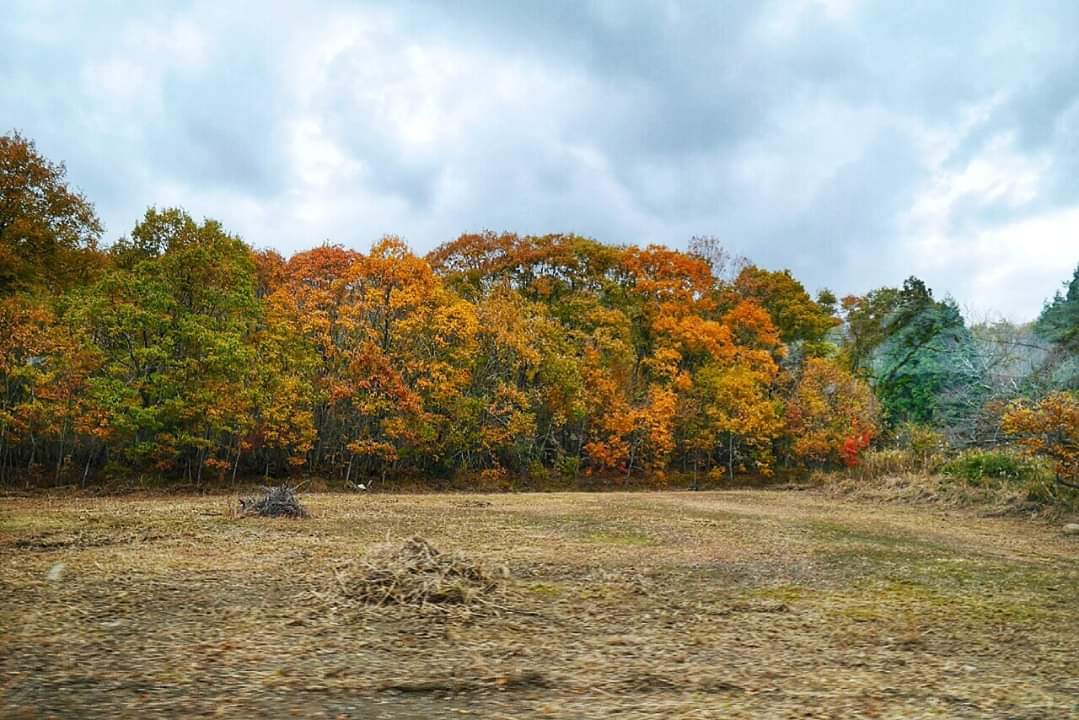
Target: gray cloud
855, 143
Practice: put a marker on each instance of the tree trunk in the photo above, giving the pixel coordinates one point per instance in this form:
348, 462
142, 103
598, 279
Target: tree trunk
730, 457
236, 463
60, 456
89, 458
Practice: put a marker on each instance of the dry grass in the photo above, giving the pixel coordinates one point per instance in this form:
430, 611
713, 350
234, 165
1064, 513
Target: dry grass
664, 605
990, 497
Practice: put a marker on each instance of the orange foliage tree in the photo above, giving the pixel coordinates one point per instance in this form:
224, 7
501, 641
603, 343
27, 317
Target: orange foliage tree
831, 415
1049, 427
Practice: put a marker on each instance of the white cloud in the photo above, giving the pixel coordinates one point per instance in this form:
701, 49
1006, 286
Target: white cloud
1020, 264
856, 143
956, 240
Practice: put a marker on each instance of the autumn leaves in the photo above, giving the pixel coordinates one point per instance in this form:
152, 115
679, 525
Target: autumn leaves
180, 352
190, 355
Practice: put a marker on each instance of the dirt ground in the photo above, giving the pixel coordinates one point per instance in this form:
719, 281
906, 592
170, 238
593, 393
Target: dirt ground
634, 605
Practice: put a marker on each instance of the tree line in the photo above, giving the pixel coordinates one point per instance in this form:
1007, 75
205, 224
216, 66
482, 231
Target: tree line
179, 351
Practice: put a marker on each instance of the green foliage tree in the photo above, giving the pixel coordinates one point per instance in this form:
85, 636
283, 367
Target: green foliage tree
914, 349
172, 320
1059, 320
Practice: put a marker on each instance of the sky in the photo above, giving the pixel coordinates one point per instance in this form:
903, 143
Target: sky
855, 143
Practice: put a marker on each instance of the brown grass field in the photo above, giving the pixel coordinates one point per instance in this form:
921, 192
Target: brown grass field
630, 605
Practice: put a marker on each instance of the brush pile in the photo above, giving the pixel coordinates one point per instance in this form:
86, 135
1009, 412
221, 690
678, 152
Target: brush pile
279, 501
416, 574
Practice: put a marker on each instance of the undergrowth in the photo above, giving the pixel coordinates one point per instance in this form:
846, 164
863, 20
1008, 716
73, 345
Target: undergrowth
999, 480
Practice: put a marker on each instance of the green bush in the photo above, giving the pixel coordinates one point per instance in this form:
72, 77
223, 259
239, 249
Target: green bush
538, 475
978, 466
922, 440
568, 466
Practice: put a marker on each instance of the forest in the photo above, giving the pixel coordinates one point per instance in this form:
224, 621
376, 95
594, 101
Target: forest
183, 354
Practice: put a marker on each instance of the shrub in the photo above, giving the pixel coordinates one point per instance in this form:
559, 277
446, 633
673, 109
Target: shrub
923, 440
568, 466
977, 466
1046, 491
538, 476
1049, 428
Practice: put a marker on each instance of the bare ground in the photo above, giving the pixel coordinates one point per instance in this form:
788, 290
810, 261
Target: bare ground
665, 605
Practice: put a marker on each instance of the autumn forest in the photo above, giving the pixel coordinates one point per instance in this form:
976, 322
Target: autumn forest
182, 353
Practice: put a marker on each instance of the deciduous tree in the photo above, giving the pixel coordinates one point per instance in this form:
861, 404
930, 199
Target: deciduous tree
48, 231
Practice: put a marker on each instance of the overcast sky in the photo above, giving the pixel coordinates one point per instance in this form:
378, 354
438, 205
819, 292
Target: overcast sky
855, 143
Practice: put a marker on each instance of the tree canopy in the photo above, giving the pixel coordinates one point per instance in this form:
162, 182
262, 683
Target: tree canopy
181, 351
48, 231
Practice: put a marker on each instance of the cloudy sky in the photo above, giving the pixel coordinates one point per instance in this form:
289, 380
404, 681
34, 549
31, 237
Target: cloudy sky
855, 143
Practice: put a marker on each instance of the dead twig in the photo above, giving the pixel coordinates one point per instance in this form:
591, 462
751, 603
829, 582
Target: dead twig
279, 501
416, 574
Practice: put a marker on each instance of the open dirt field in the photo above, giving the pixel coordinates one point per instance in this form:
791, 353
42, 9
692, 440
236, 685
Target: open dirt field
665, 605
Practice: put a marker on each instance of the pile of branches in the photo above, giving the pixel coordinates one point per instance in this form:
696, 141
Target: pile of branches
416, 574
278, 501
